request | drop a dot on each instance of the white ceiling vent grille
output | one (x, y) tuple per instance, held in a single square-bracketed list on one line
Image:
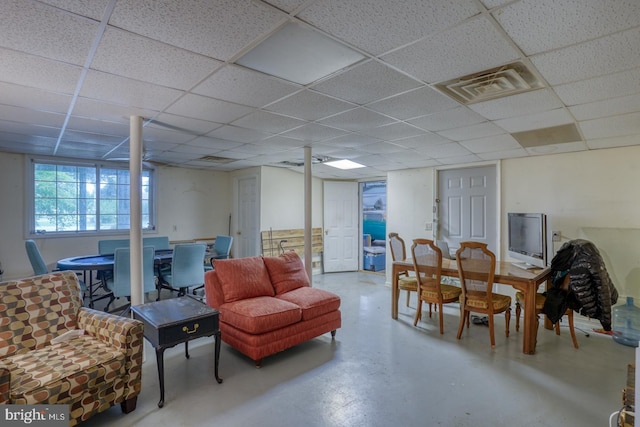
[(498, 82)]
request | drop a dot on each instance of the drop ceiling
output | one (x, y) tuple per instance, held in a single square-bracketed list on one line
[(73, 72)]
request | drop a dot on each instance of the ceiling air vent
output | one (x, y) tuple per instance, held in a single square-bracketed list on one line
[(216, 159), (498, 82), (296, 163)]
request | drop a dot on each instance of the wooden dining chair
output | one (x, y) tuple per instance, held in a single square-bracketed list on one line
[(540, 300), (427, 262), (406, 282), (476, 268)]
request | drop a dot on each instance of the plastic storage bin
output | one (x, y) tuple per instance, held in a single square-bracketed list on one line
[(626, 324)]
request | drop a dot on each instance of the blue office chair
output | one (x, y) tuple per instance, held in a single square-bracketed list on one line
[(187, 268), (38, 264), (35, 258), (120, 283), (221, 250)]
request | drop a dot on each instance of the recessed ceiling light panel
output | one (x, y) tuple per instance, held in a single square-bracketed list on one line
[(299, 54)]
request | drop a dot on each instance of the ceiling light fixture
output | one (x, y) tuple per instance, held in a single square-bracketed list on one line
[(344, 164), (299, 54)]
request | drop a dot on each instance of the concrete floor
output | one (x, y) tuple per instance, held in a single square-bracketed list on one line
[(384, 372)]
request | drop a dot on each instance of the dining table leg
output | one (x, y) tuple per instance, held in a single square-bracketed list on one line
[(394, 291)]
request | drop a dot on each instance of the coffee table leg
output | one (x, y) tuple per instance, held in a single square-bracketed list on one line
[(217, 357), (186, 349), (160, 363)]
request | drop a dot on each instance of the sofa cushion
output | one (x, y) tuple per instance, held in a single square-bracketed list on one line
[(313, 302), (286, 272), (243, 278), (61, 372), (259, 315)]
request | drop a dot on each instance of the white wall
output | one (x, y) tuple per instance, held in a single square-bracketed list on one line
[(282, 195), (578, 191), (195, 201), (409, 206)]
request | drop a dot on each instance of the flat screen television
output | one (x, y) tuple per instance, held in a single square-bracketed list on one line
[(528, 239)]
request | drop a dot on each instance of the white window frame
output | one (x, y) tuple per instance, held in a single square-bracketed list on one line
[(30, 224)]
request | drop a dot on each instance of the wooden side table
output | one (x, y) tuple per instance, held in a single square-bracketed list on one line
[(177, 320)]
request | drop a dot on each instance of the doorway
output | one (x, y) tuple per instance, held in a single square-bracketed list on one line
[(374, 225)]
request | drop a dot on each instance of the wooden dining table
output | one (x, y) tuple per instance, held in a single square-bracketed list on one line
[(525, 281)]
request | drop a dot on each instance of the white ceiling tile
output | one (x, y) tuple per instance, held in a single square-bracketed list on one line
[(440, 151), (366, 82), (422, 140), (95, 109), (216, 28), (42, 30), (242, 86), (545, 119), (393, 131), (504, 154), (93, 9), (607, 107), (618, 141), (628, 124), (29, 70), (34, 99), (136, 57), (617, 52), (125, 91), (268, 122), (184, 124), (491, 144), (235, 133), (210, 109), (92, 138), (460, 160), (8, 126), (415, 103), (308, 105), (283, 143), (517, 105), (286, 5), (381, 148), (470, 132), (92, 125), (468, 48), (214, 143), (494, 3), (314, 132), (457, 117), (352, 140), (22, 115), (599, 88), (372, 24), (567, 147), (157, 134), (542, 25), (359, 119)]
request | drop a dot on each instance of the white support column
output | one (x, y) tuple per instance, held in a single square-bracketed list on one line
[(307, 213), (135, 209)]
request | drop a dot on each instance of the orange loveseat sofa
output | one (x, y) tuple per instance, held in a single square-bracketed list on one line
[(267, 305)]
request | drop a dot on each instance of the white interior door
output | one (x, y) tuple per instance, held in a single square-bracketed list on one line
[(341, 227), (467, 206), (246, 241)]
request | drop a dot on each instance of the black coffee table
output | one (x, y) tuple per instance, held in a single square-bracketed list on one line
[(177, 320)]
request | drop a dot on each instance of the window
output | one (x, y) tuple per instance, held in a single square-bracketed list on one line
[(76, 197)]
